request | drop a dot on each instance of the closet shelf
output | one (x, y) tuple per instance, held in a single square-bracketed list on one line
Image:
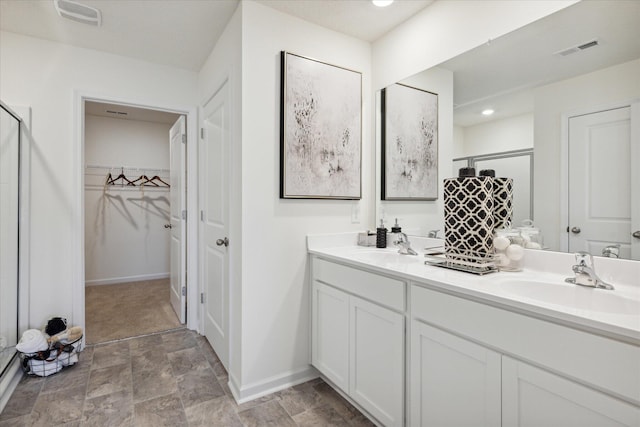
[(99, 176)]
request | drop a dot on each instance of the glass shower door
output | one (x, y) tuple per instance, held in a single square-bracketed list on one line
[(9, 217)]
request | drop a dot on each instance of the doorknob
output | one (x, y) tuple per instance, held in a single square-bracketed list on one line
[(636, 234), (168, 226), (576, 230), (224, 242)]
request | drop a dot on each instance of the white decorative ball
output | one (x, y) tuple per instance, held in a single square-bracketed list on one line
[(501, 243), (502, 260), (515, 252)]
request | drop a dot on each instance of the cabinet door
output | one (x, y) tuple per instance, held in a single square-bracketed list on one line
[(532, 397), (377, 361), (454, 382), (330, 333)]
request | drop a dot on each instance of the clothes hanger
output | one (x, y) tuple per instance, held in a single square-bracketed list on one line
[(140, 178), (149, 181), (109, 179), (157, 178), (113, 181)]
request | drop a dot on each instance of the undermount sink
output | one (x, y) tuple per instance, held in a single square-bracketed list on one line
[(384, 257), (574, 296)]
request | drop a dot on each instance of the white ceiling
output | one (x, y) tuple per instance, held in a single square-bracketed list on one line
[(357, 18), (118, 111), (182, 33)]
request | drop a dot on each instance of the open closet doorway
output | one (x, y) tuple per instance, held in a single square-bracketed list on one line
[(134, 199)]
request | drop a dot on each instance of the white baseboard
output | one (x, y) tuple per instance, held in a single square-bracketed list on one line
[(116, 280), (258, 389), (9, 382)]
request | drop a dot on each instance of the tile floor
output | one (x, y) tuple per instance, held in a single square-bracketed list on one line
[(126, 310), (167, 379)]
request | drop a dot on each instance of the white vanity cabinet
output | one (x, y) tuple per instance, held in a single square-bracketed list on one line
[(330, 333), (454, 382), (376, 368), (412, 347), (468, 369), (535, 397), (358, 336)]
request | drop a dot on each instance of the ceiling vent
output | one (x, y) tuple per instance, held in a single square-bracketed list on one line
[(579, 48), (78, 12), (121, 113)]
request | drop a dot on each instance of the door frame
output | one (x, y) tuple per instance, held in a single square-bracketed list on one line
[(564, 155), (77, 202)]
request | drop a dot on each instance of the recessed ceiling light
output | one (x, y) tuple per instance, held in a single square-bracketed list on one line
[(487, 112), (382, 3)]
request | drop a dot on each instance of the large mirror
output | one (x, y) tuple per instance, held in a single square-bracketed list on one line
[(565, 96), (9, 214)]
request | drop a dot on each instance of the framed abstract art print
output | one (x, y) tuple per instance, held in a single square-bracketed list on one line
[(320, 130), (409, 143)]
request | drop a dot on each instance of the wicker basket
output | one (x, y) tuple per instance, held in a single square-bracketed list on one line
[(51, 361)]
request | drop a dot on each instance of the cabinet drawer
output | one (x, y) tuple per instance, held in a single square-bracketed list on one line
[(605, 363), (374, 287)]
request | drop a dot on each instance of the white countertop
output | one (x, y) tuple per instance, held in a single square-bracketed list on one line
[(532, 291)]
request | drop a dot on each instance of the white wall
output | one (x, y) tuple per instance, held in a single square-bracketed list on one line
[(275, 296), (458, 142), (597, 90), (125, 238), (496, 136), (45, 76)]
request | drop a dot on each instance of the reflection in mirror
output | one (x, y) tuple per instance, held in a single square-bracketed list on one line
[(9, 191), (546, 83), (517, 165)]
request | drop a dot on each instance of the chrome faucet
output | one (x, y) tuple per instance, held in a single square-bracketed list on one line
[(611, 251), (585, 273), (433, 234), (404, 244)]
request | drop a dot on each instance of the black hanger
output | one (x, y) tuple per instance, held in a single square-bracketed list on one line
[(114, 181), (157, 178), (140, 178)]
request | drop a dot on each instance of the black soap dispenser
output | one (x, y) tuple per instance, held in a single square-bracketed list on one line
[(395, 231), (381, 235), (396, 227)]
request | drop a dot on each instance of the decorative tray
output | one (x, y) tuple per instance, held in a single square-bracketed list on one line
[(480, 268)]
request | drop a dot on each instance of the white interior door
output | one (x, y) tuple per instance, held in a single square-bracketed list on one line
[(214, 172), (177, 137), (600, 184)]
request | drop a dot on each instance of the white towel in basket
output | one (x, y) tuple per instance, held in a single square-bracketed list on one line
[(32, 341), (44, 368)]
